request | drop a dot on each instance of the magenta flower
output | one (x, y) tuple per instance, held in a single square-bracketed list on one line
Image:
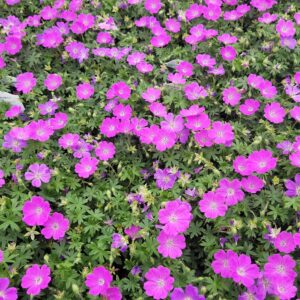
[(104, 38), (227, 39), (135, 57), (285, 28), (243, 271), (249, 107), (40, 130), (212, 12), (193, 91), (2, 180), (55, 227), (190, 292), (153, 6), (172, 25), (205, 60), (274, 112), (242, 166), (176, 217), (86, 167), (284, 289), (59, 121), (294, 113), (144, 67), (165, 179), (119, 90), (105, 150), (36, 211), (84, 91), (53, 82), (7, 293), (262, 161), (280, 267), (158, 109), (12, 45), (151, 94), (293, 187), (164, 140), (252, 184), (202, 138), (221, 133), (113, 293), (68, 140), (119, 242), (122, 111), (77, 50), (228, 53), (223, 263), (231, 96), (231, 191), (38, 174), (48, 108), (185, 68), (172, 123), (284, 242), (170, 245), (195, 123), (267, 90), (295, 159), (98, 281), (25, 82), (212, 205), (36, 279), (159, 282)]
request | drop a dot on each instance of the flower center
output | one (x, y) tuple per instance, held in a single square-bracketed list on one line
[(101, 282), (230, 192), (55, 226), (161, 283), (172, 218), (38, 280), (280, 269), (241, 272)]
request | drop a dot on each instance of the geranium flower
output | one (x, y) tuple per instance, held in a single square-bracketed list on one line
[(36, 279), (6, 292), (212, 205), (159, 282), (55, 227), (25, 82), (190, 292), (38, 174), (170, 245)]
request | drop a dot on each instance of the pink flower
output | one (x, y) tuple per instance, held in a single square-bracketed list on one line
[(122, 111), (6, 292), (274, 112), (280, 267), (194, 11), (212, 205), (25, 82), (158, 109), (50, 38), (185, 68), (120, 90), (86, 167), (160, 41), (110, 127), (104, 38), (228, 53), (55, 227), (84, 91), (164, 140), (212, 12), (284, 289), (221, 133), (48, 108), (194, 91), (172, 25), (295, 113), (202, 138), (159, 282), (284, 242), (267, 18), (152, 6), (12, 45), (13, 112), (249, 107), (59, 121), (170, 245), (36, 279), (223, 263), (231, 96), (205, 60), (136, 57), (2, 180), (98, 281), (267, 90), (230, 191), (151, 94), (227, 39), (37, 174), (295, 159), (12, 2), (77, 50), (285, 28), (297, 77), (262, 161), (144, 67), (53, 82), (113, 293), (176, 217), (198, 122), (252, 184), (243, 271), (36, 211), (48, 13), (262, 5), (172, 123), (147, 135), (242, 166), (40, 130), (105, 150)]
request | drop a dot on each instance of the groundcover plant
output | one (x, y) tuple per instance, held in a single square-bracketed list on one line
[(150, 149)]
